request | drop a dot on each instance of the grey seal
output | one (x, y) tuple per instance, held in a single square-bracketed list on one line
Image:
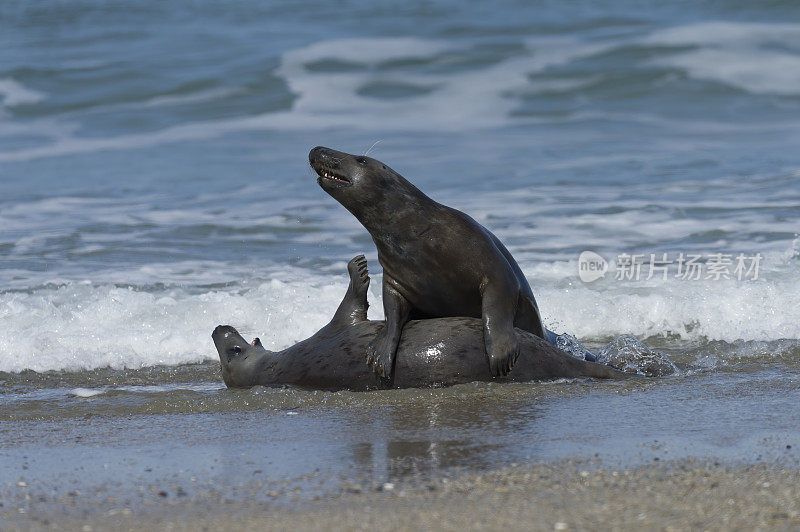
[(431, 352), (437, 261)]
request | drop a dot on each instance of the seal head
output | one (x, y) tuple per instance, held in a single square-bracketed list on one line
[(241, 361), (369, 189)]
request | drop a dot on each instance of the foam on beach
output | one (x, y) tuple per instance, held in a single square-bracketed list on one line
[(82, 325)]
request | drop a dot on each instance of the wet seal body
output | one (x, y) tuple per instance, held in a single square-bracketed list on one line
[(437, 261), (431, 352)]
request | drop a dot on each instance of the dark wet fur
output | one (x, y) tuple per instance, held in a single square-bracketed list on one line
[(437, 261), (431, 352)]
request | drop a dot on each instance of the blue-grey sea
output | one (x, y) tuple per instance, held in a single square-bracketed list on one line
[(154, 183)]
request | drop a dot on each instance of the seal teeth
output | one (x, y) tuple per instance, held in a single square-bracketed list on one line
[(334, 177)]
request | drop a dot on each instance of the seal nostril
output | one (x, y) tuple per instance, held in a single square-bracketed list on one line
[(316, 153), (324, 156), (222, 330)]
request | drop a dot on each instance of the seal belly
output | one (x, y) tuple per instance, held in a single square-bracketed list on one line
[(434, 285)]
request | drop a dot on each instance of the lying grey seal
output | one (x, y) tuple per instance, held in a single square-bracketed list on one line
[(441, 351), (437, 261)]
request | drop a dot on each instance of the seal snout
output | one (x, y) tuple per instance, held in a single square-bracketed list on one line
[(222, 330), (321, 154), (327, 163)]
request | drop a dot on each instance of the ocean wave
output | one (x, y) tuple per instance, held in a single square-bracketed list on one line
[(755, 57), (80, 326), (416, 84), (123, 239), (702, 310)]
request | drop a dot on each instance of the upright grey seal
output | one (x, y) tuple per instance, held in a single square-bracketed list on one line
[(431, 352), (437, 261)]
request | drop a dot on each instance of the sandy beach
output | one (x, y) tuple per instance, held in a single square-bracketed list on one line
[(569, 495), (580, 454)]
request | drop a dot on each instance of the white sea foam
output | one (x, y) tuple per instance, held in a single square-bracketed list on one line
[(93, 392), (759, 58), (84, 325), (13, 93), (86, 392), (194, 97), (730, 33), (707, 309), (714, 310)]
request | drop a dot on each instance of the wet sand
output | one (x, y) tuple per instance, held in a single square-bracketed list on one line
[(569, 495), (710, 450)]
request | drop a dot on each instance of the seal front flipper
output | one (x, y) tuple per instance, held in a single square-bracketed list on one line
[(528, 317), (500, 339), (353, 308), (382, 349)]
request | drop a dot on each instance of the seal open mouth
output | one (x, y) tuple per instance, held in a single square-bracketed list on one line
[(333, 176), (328, 164)]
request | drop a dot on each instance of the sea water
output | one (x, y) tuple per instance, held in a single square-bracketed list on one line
[(154, 181)]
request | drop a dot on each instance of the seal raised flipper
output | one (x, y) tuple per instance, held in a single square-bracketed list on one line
[(353, 307)]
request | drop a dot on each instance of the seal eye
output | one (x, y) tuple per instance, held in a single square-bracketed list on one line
[(361, 160), (237, 350)]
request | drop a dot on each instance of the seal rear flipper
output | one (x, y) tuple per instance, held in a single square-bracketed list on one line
[(353, 308)]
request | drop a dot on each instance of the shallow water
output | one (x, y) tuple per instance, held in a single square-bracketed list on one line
[(154, 184), (131, 442)]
